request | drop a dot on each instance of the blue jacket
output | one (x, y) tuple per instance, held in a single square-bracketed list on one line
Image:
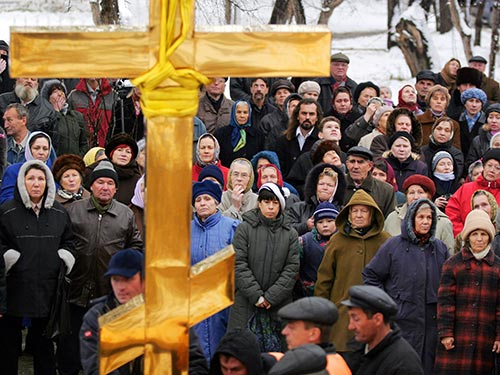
[(208, 237)]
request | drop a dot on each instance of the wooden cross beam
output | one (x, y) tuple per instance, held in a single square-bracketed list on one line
[(157, 328)]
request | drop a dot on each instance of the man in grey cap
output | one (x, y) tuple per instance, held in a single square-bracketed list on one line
[(306, 359), (310, 320), (488, 85), (385, 351), (359, 165)]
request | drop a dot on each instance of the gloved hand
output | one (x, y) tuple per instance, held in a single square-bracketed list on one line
[(67, 258), (10, 258)]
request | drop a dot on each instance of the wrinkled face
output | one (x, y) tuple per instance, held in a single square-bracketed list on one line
[(364, 328), (481, 202), (360, 215), (444, 165), (141, 157), (382, 122), (325, 188), (205, 206), (331, 157), (379, 174), (268, 174), (307, 116), (40, 149), (242, 113), (409, 94), (326, 227), (280, 96), (206, 147), (338, 70), (126, 289), (240, 175), (35, 183), (296, 334), (231, 366), (342, 103), (423, 221), (442, 132), (28, 82), (438, 102), (122, 155), (423, 87), (415, 192), (13, 123), (478, 65), (479, 240), (403, 124), (311, 95), (491, 170), (365, 95), (358, 168), (259, 90), (494, 121), (401, 149), (453, 66), (331, 131), (270, 208), (473, 106), (71, 180), (216, 87), (103, 189)]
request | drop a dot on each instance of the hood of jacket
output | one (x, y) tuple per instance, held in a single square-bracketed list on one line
[(27, 151), (407, 226), (242, 345), (312, 182), (269, 155), (21, 192), (361, 197)]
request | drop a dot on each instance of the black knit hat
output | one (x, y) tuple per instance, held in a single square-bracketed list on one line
[(361, 87), (400, 134)]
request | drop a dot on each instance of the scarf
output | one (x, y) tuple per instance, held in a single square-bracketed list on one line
[(238, 134), (436, 114), (99, 207), (445, 176), (481, 254), (69, 195)]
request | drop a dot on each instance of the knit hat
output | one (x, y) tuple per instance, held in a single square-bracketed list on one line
[(309, 86), (363, 85), (66, 162), (495, 107), (4, 46), (276, 190), (418, 179), (282, 84), (121, 139), (426, 74), (492, 153), (340, 57), (469, 75), (325, 210), (474, 94), (103, 169), (438, 156), (478, 219), (207, 187), (211, 171), (401, 134), (378, 114)]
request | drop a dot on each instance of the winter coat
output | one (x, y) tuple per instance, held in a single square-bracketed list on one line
[(381, 192), (459, 205), (248, 203), (468, 310), (267, 265), (213, 119), (466, 135), (326, 95), (359, 128), (72, 134), (427, 120), (391, 356), (208, 237), (300, 212), (97, 238), (98, 115), (132, 120), (32, 280), (409, 272), (491, 88), (272, 120), (428, 151), (254, 144), (405, 169), (3, 288), (444, 227), (89, 344), (259, 113), (455, 107), (480, 144), (347, 253)]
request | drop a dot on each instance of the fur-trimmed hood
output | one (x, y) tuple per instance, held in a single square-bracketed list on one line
[(312, 181), (407, 226), (50, 188)]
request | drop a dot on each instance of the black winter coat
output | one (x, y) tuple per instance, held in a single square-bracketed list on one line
[(254, 144)]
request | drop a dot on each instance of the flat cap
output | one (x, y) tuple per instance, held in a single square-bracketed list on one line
[(360, 151), (372, 298), (340, 57), (305, 359), (282, 84), (426, 74), (311, 309), (479, 59)]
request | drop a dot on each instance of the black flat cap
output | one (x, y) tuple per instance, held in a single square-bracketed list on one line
[(479, 59), (340, 57), (371, 298), (311, 309), (360, 151), (305, 359), (426, 74), (282, 84)]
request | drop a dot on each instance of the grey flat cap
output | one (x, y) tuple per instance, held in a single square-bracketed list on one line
[(479, 59), (371, 298), (305, 359), (340, 57), (360, 151), (311, 309)]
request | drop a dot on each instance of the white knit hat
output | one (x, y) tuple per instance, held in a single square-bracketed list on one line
[(478, 219)]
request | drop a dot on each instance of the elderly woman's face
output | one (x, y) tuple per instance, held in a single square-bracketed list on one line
[(360, 216), (478, 240), (409, 94), (206, 148), (382, 122), (240, 176), (403, 124), (445, 165), (423, 221), (415, 192), (438, 102), (122, 155), (35, 182), (481, 202), (325, 188), (71, 180), (242, 113), (491, 170), (40, 149), (205, 206)]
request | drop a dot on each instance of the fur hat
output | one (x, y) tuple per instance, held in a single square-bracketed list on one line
[(282, 84), (50, 85), (474, 94), (478, 219), (418, 179), (65, 162), (121, 139), (309, 86), (469, 75), (207, 187), (322, 148), (103, 169), (363, 85)]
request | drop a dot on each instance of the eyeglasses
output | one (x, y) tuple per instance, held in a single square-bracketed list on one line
[(242, 175), (492, 166)]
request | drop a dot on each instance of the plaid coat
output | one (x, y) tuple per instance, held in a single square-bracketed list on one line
[(469, 311)]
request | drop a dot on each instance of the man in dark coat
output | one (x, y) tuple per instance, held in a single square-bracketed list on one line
[(280, 91), (488, 85), (384, 351)]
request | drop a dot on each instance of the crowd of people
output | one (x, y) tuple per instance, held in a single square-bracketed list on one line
[(365, 226)]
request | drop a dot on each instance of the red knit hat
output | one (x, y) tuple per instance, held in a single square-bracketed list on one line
[(418, 179)]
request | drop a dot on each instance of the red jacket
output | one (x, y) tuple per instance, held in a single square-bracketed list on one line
[(197, 170)]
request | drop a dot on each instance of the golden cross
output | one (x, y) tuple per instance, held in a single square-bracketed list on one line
[(177, 296)]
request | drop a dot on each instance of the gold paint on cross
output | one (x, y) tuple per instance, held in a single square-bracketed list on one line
[(177, 296)]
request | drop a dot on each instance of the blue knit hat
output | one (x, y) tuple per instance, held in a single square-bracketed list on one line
[(474, 94), (212, 171), (207, 187), (325, 210)]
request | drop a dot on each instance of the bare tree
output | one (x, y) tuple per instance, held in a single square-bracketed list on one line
[(458, 18), (445, 23), (285, 11), (479, 22), (327, 8), (413, 44), (105, 12), (495, 23), (227, 11)]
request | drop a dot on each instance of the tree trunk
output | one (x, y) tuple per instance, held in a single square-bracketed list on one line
[(457, 16), (285, 10), (495, 23), (413, 45), (227, 11), (94, 7), (391, 6), (327, 9), (445, 23), (109, 12), (479, 22)]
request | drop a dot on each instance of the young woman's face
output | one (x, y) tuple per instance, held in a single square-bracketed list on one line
[(494, 121)]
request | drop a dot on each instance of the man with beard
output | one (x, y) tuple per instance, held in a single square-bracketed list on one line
[(300, 134), (41, 115), (260, 105)]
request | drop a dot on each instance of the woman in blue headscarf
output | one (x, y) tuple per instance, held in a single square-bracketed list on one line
[(239, 139)]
